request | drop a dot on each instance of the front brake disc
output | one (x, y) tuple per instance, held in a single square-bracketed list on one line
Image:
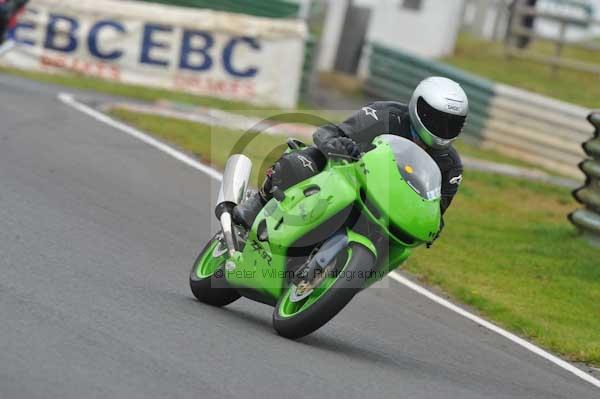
[(304, 288)]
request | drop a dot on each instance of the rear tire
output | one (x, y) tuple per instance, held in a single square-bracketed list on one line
[(358, 267), (207, 280)]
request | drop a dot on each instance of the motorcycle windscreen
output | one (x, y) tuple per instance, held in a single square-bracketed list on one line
[(417, 168)]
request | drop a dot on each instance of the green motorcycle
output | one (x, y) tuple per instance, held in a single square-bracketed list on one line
[(317, 244)]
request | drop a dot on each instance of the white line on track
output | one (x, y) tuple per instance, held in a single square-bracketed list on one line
[(492, 327), (69, 100)]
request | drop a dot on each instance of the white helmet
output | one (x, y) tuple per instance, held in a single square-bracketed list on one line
[(438, 110)]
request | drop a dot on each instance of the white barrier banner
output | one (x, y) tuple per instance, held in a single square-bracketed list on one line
[(210, 53)]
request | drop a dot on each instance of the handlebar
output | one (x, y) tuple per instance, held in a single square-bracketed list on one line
[(344, 157)]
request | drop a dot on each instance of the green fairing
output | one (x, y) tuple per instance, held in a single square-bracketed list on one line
[(375, 180), (362, 240), (399, 203), (300, 216)]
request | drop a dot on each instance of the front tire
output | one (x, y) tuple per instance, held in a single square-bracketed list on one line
[(207, 278), (296, 320)]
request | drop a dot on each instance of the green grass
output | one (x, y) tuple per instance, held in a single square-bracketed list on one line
[(82, 82), (507, 250), (212, 145), (516, 259), (473, 151), (488, 60), (197, 142), (148, 94), (152, 95)]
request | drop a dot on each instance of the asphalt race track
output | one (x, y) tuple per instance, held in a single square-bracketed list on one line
[(98, 234)]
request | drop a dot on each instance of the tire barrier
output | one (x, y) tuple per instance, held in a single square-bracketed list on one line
[(587, 219)]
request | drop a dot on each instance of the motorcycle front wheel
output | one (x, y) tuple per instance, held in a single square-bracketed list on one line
[(207, 280), (295, 318)]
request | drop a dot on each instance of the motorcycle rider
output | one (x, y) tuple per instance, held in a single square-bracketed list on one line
[(9, 11), (433, 119)]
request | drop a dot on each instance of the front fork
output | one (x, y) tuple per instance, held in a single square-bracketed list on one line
[(332, 248), (234, 239)]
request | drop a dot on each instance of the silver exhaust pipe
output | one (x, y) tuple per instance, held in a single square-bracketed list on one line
[(233, 189)]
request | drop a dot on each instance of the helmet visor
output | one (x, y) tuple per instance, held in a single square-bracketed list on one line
[(441, 124)]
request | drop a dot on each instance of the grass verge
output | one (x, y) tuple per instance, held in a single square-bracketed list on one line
[(518, 261), (487, 59), (196, 143), (83, 82), (211, 144), (507, 250), (151, 95)]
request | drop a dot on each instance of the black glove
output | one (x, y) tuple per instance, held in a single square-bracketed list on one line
[(343, 146)]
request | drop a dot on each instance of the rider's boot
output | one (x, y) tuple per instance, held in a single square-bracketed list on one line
[(245, 213)]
